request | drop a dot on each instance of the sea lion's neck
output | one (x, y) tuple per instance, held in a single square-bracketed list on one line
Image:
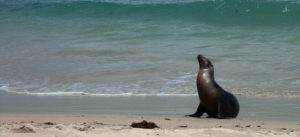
[(207, 75)]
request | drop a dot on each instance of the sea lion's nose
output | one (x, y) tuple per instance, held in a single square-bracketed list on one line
[(199, 57)]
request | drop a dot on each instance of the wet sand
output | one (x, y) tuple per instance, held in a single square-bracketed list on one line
[(266, 109), (27, 115)]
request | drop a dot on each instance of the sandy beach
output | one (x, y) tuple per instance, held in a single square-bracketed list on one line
[(44, 125), (84, 68)]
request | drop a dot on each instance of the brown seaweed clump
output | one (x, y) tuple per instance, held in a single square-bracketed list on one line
[(144, 124)]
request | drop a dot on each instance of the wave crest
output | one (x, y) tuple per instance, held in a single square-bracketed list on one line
[(237, 12)]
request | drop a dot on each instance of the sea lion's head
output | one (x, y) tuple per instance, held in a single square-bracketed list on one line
[(204, 62)]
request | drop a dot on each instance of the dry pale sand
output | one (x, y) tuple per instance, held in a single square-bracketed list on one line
[(39, 125)]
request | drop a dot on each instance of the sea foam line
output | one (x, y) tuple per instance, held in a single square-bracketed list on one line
[(61, 93)]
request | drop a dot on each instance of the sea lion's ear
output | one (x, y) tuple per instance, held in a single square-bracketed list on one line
[(211, 65)]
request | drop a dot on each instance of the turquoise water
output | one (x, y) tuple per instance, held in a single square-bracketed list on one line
[(142, 47)]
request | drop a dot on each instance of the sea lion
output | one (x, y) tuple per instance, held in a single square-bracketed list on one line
[(214, 100)]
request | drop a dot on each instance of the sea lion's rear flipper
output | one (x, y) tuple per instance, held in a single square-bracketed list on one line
[(220, 111)]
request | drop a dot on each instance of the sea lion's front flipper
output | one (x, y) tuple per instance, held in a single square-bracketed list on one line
[(199, 112)]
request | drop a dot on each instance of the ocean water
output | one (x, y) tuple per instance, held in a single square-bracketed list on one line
[(149, 47)]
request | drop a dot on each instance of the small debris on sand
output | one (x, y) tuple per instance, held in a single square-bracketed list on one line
[(167, 119), (59, 127), (144, 124), (85, 128), (183, 126), (24, 129), (98, 123), (49, 123), (248, 126)]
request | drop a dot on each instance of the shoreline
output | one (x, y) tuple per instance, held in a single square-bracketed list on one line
[(266, 109), (86, 116), (245, 94), (117, 125)]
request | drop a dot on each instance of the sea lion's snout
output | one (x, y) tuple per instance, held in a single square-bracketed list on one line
[(203, 62), (199, 57)]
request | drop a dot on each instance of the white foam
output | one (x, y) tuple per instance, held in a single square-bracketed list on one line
[(297, 82), (165, 87), (4, 87), (60, 93)]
